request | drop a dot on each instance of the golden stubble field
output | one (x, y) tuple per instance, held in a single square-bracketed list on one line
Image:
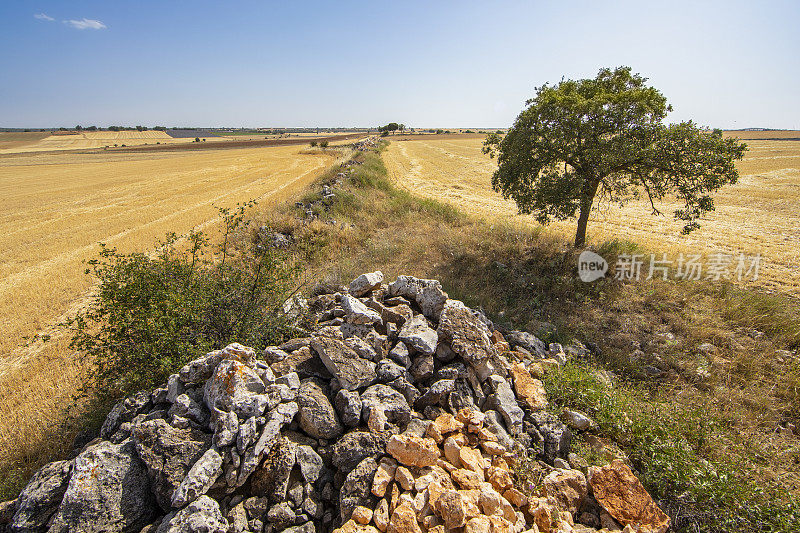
[(58, 207), (88, 140), (760, 214)]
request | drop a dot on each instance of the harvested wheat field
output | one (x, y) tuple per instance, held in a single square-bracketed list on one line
[(92, 140), (758, 215), (57, 207)]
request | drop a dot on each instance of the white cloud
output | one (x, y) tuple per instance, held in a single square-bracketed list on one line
[(42, 16), (85, 24)]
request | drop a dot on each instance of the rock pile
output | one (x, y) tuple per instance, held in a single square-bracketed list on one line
[(404, 411)]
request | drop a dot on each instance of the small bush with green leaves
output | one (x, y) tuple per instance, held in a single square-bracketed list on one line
[(323, 144), (151, 315)]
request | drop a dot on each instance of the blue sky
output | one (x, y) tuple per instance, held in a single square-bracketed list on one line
[(452, 64)]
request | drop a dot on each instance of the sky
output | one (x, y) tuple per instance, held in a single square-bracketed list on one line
[(730, 64)]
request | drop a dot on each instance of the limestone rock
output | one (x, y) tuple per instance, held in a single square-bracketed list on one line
[(200, 369), (529, 342), (109, 491), (555, 435), (271, 479), (388, 401), (317, 416), (41, 497), (235, 387), (417, 334), (358, 313), (169, 453), (355, 446), (310, 463), (465, 333), (348, 405), (356, 487), (504, 402), (620, 492), (578, 420), (352, 371), (202, 515), (427, 293), (365, 283), (199, 479)]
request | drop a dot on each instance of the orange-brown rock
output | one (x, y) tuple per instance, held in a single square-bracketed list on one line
[(447, 423), (493, 448), (404, 520), (620, 492), (472, 459), (450, 506), (381, 515), (479, 524), (515, 497), (499, 478), (500, 524), (567, 488), (383, 476), (467, 479), (433, 433), (404, 476), (445, 465), (351, 526), (452, 451), (394, 497), (530, 390), (471, 417), (497, 337), (411, 450), (362, 515), (542, 517)]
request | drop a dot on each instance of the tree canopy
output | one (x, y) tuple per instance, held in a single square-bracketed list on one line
[(580, 138)]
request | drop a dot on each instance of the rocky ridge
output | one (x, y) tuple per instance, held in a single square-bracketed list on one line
[(404, 411)]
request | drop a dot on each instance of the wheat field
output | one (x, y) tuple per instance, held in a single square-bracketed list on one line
[(759, 215), (88, 140)]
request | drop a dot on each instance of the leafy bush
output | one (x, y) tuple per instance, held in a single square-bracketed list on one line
[(151, 315), (323, 144), (313, 144)]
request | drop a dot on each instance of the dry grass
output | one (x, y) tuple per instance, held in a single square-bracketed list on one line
[(758, 215), (57, 207)]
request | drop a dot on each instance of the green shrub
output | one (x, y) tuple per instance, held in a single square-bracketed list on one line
[(151, 315), (323, 144), (670, 448)]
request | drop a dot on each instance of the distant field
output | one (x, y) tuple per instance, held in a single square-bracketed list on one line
[(761, 214), (89, 140), (18, 143)]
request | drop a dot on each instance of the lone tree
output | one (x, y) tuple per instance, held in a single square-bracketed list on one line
[(606, 136)]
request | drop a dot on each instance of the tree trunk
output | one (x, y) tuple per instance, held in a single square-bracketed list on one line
[(587, 198)]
